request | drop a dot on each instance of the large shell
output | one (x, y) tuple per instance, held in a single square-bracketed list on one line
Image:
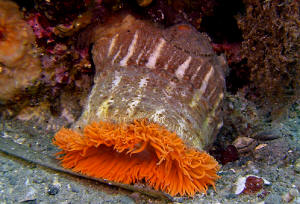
[(170, 76)]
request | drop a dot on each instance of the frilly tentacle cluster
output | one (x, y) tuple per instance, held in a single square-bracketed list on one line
[(136, 152)]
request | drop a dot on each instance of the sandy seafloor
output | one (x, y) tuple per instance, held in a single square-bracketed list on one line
[(24, 182)]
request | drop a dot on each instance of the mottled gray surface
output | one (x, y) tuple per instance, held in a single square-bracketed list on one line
[(24, 182)]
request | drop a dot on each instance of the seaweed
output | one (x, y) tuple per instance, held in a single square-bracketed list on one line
[(271, 50)]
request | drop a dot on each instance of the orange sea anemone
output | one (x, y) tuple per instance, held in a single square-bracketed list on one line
[(170, 76), (137, 152)]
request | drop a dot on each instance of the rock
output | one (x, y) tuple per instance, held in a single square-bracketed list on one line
[(53, 189), (74, 188), (12, 180), (297, 165), (290, 196), (30, 196), (244, 144), (231, 196), (39, 180), (273, 199), (275, 152), (268, 134)]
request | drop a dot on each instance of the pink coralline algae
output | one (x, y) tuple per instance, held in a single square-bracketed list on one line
[(41, 27), (63, 62)]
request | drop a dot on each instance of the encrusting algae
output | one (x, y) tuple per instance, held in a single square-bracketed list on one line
[(155, 105), (19, 62)]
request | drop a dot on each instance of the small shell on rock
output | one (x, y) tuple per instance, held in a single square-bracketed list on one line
[(260, 146), (244, 184), (244, 144)]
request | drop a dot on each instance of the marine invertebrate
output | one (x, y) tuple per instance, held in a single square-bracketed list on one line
[(135, 152), (170, 76), (18, 61)]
